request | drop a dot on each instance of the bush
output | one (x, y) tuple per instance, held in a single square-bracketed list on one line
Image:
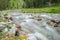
[(33, 3), (3, 4), (14, 4)]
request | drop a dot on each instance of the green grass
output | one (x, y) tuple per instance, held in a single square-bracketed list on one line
[(52, 9)]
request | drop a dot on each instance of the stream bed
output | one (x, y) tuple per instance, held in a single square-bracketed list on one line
[(42, 26)]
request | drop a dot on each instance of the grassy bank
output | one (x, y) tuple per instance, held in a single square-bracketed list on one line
[(52, 9)]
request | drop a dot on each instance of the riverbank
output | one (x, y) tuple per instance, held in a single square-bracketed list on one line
[(53, 9)]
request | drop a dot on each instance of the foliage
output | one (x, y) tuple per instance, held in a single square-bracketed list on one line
[(6, 14), (14, 4), (2, 20), (3, 4), (10, 4), (38, 3), (52, 9), (33, 3)]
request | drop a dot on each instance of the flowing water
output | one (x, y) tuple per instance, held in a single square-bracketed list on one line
[(38, 28)]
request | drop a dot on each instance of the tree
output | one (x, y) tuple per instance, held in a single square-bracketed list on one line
[(3, 4), (34, 3)]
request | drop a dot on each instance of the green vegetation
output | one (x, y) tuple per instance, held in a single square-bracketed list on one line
[(52, 9), (6, 14), (14, 4), (35, 6), (10, 4), (2, 20), (3, 4)]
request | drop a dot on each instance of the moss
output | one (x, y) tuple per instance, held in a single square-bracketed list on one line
[(6, 14), (2, 20)]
